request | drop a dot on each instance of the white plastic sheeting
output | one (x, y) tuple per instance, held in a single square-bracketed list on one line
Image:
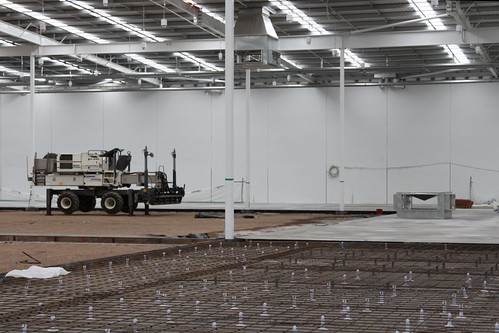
[(37, 272)]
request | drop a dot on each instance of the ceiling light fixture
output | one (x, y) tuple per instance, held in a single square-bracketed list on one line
[(43, 26), (105, 2), (164, 21)]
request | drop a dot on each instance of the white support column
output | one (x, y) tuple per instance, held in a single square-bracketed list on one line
[(229, 119), (342, 129), (31, 118), (248, 139)]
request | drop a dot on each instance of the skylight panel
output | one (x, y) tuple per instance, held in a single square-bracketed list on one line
[(295, 14), (113, 20), (456, 53), (12, 71), (68, 65), (205, 10), (424, 9), (353, 58), (41, 17), (197, 61), (6, 42), (149, 62)]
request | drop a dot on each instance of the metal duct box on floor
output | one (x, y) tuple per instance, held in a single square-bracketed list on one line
[(405, 207)]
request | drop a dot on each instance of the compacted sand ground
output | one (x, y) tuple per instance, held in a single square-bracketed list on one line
[(164, 223)]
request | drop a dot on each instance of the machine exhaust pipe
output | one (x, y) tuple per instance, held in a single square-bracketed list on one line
[(174, 173)]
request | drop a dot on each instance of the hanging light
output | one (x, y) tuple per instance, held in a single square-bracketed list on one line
[(43, 25), (105, 2), (164, 21), (220, 55)]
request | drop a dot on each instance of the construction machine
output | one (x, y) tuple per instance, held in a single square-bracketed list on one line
[(80, 179)]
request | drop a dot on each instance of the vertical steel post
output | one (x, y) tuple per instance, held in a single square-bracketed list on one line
[(342, 128), (32, 118), (146, 182), (248, 139), (174, 172), (229, 119)]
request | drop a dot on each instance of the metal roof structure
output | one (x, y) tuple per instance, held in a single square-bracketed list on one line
[(101, 45)]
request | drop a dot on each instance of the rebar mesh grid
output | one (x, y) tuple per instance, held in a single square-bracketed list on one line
[(267, 287)]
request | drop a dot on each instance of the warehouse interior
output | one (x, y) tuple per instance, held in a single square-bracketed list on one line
[(295, 125)]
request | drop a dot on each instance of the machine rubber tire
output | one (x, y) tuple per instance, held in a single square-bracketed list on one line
[(125, 205), (87, 203), (68, 202), (111, 202)]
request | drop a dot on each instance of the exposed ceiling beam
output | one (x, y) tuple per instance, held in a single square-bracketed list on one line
[(134, 47), (389, 39), (307, 77), (461, 19), (43, 41), (454, 8), (48, 47), (212, 24)]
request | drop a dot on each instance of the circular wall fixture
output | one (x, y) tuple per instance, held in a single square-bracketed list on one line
[(333, 171)]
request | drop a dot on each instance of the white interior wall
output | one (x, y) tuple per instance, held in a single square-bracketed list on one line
[(418, 149), (475, 136), (422, 138), (15, 140)]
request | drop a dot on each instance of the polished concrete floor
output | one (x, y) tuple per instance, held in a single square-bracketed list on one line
[(476, 226)]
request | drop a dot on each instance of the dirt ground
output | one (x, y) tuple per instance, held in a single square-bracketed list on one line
[(101, 224)]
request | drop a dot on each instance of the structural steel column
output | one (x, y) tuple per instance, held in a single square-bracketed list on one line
[(342, 128), (248, 139), (229, 119), (31, 118)]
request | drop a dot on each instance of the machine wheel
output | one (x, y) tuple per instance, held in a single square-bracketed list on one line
[(112, 202), (125, 204), (68, 202), (87, 203)]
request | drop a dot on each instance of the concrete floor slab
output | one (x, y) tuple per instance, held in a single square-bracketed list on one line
[(477, 226)]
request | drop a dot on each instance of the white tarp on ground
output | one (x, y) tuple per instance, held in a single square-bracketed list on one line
[(37, 272)]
